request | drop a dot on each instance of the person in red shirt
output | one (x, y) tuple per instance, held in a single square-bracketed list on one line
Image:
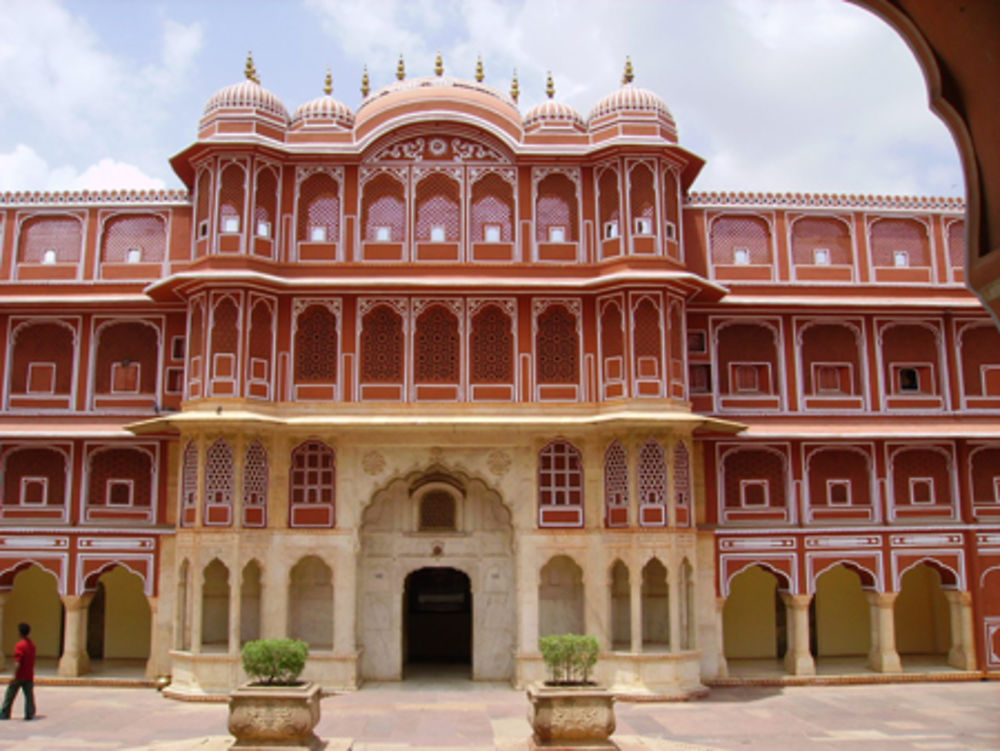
[(24, 675)]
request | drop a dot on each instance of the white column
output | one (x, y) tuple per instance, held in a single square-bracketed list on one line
[(882, 655), (798, 658), (962, 654), (674, 597), (635, 606), (720, 606), (235, 612), (196, 586), (75, 661)]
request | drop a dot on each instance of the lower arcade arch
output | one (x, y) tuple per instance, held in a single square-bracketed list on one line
[(753, 619), (922, 617), (118, 617), (34, 599), (840, 615)]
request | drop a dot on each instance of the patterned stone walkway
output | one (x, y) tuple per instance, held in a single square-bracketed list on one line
[(426, 716)]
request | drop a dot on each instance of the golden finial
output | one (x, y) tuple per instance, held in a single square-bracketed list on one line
[(550, 88), (515, 90), (328, 83), (479, 69), (629, 75), (249, 70), (400, 68), (365, 83), (438, 65)]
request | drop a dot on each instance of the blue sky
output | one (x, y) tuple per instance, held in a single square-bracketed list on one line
[(799, 95)]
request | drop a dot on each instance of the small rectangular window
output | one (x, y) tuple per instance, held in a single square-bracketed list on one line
[(754, 493), (41, 377), (838, 492), (437, 233), (700, 378), (177, 348), (383, 234), (119, 493), (175, 380), (48, 257), (900, 258), (643, 226), (909, 380), (821, 256), (670, 230), (231, 224), (491, 233), (317, 234), (697, 342), (133, 255), (125, 377), (921, 490), (741, 256), (746, 378), (610, 230), (830, 379), (263, 229), (34, 491), (557, 234), (203, 228)]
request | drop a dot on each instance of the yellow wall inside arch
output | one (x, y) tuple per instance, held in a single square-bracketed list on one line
[(34, 599), (922, 617), (748, 623), (842, 620), (126, 615)]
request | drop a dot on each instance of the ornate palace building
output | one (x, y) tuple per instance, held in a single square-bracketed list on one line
[(425, 381)]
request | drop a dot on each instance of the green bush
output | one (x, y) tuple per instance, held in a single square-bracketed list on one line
[(275, 661), (569, 658)]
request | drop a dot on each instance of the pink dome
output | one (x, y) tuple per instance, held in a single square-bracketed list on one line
[(324, 111), (551, 113), (631, 102), (246, 95)]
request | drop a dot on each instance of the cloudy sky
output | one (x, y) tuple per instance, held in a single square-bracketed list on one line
[(802, 95)]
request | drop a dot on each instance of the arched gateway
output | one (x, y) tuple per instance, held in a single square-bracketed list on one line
[(436, 577)]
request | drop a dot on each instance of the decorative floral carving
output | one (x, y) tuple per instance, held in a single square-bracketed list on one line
[(373, 463), (499, 462)]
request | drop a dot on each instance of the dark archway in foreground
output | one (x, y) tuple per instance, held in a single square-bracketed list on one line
[(437, 617)]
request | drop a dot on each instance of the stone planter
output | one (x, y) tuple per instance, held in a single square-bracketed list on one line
[(579, 718), (275, 717)]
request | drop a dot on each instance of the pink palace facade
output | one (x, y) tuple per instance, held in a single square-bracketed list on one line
[(423, 382)]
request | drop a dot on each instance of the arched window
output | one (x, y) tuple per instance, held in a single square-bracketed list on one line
[(439, 218), (609, 210), (203, 197), (740, 241), (265, 212), (119, 484), (557, 347), (754, 486), (436, 354), (255, 481), (219, 484), (134, 238), (382, 346), (613, 351), (50, 240), (384, 210), (616, 499), (647, 340), (491, 345), (560, 485), (682, 485), (556, 210), (312, 484), (231, 199), (899, 243), (316, 345), (319, 209), (225, 333), (126, 360), (642, 208), (259, 344), (652, 485), (492, 210)]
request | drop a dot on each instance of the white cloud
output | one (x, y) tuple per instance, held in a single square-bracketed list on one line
[(23, 169)]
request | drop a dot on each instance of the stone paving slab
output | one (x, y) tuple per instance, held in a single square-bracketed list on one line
[(917, 717)]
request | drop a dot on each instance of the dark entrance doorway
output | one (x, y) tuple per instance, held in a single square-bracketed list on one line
[(437, 617)]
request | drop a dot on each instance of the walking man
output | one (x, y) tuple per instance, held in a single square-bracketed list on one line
[(24, 675)]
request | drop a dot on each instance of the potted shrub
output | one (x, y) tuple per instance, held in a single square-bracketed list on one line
[(275, 709), (569, 709)]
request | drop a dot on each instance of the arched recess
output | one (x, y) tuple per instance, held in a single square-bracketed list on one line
[(922, 615), (42, 363), (316, 342), (310, 603), (120, 483), (841, 620), (118, 617), (219, 484), (265, 211), (126, 362), (755, 484), (33, 597), (652, 484), (614, 378), (438, 207), (642, 208), (609, 211), (748, 364), (616, 486), (250, 602), (128, 241), (492, 217), (225, 324), (621, 607), (215, 607), (560, 597), (437, 352), (647, 345), (491, 350), (753, 618), (35, 482), (232, 207), (832, 363), (259, 371), (403, 529), (655, 607)]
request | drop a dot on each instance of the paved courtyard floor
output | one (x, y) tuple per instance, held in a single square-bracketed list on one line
[(424, 714)]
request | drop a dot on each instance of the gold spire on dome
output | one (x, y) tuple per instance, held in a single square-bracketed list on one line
[(629, 75), (479, 69), (438, 65), (249, 70), (515, 89), (328, 83), (365, 83), (400, 68), (550, 88)]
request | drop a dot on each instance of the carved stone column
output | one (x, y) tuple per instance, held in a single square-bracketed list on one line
[(235, 612), (154, 638), (75, 660), (635, 609), (962, 654), (882, 655), (674, 598), (720, 642), (798, 658)]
